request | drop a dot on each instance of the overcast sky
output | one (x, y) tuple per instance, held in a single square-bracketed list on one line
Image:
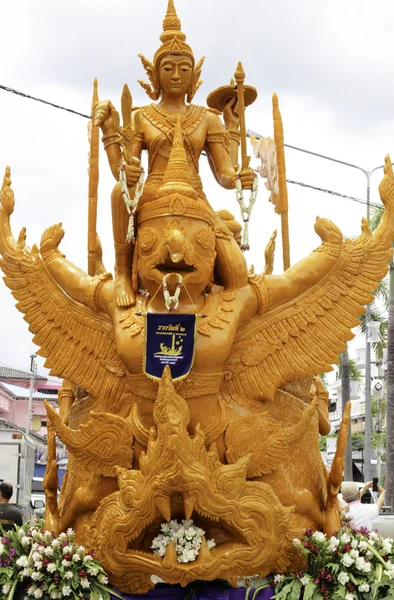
[(331, 64)]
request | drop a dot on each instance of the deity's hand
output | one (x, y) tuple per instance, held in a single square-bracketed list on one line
[(230, 115), (106, 116), (51, 238), (133, 171), (247, 177)]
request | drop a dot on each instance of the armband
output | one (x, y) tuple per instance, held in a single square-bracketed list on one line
[(94, 289)]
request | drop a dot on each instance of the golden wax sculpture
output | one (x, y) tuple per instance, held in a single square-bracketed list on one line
[(232, 444)]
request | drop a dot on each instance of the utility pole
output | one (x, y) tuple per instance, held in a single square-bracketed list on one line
[(30, 402)]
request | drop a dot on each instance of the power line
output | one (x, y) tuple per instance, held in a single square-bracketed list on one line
[(74, 112), (334, 193)]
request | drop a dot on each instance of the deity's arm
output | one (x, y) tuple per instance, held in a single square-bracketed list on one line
[(218, 151), (90, 291), (300, 277), (115, 139)]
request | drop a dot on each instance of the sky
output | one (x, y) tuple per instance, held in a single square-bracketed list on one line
[(331, 64)]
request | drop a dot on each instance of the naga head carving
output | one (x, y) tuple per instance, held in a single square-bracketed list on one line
[(180, 479)]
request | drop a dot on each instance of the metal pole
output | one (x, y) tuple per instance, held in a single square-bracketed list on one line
[(30, 402), (367, 424)]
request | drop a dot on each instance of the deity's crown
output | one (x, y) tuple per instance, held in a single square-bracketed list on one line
[(173, 42), (172, 38), (176, 195)]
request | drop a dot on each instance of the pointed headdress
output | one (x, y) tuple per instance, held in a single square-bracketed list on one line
[(176, 195), (173, 42)]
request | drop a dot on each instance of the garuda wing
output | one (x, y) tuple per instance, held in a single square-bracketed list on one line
[(78, 343), (304, 336)]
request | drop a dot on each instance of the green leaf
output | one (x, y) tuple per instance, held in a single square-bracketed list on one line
[(309, 590)]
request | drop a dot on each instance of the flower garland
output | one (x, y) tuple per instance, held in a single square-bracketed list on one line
[(49, 567), (187, 539)]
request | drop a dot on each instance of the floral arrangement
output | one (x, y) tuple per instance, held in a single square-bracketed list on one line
[(45, 566), (351, 565), (187, 539)]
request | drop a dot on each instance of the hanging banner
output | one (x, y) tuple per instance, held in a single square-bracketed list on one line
[(169, 340)]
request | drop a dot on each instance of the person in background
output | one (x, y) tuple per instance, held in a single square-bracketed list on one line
[(362, 515), (10, 514)]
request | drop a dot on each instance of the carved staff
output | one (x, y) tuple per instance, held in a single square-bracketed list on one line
[(93, 186), (239, 77), (282, 206)]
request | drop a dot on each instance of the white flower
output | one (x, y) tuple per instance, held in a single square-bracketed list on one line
[(93, 571), (21, 532), (6, 588), (54, 595), (345, 538), (389, 574), (48, 551), (76, 557), (65, 563), (30, 591), (66, 550), (68, 574), (70, 531), (278, 578), (347, 560), (36, 576), (103, 579), (85, 582), (333, 544), (51, 567), (211, 544), (87, 558), (66, 590), (362, 565), (387, 545), (26, 572), (354, 553), (2, 549), (354, 543), (36, 556), (25, 541), (373, 535), (37, 593), (363, 587), (55, 544), (343, 578), (305, 579), (350, 596), (362, 545), (318, 536), (81, 550), (62, 537), (22, 561), (38, 564), (297, 543)]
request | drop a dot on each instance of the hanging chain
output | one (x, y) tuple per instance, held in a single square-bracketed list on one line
[(245, 210), (131, 204)]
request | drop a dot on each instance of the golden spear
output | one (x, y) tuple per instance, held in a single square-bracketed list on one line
[(239, 77), (93, 186), (282, 206)]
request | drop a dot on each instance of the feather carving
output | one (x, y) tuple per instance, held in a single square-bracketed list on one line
[(304, 336)]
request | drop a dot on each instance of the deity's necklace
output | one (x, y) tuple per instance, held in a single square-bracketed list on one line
[(245, 210)]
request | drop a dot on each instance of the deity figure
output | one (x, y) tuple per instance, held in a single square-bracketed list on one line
[(174, 78)]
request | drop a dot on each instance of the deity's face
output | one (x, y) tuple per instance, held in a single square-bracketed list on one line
[(181, 245), (175, 73)]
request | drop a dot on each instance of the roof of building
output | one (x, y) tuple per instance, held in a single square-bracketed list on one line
[(21, 392), (7, 373)]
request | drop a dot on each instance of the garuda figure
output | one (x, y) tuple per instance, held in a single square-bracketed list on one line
[(232, 442)]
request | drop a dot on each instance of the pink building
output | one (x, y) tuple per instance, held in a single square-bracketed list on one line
[(14, 396)]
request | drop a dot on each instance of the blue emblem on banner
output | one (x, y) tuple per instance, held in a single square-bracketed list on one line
[(169, 340)]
